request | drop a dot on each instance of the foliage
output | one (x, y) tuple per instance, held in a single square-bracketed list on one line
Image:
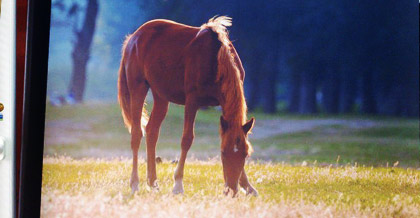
[(332, 56)]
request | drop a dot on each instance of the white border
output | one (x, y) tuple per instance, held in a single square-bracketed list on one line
[(7, 97)]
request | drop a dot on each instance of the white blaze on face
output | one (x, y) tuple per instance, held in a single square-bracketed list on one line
[(235, 148)]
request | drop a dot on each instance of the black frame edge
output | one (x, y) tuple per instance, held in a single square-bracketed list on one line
[(39, 15)]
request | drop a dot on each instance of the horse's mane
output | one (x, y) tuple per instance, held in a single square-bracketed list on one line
[(228, 75), (218, 25)]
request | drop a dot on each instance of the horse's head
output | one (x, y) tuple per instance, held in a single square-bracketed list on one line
[(235, 149)]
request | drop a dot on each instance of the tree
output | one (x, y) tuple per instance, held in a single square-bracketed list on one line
[(331, 89), (81, 50), (345, 50), (294, 92)]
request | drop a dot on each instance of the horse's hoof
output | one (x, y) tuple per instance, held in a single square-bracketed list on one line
[(134, 187), (134, 183), (177, 191), (178, 188), (230, 192), (154, 188), (252, 191)]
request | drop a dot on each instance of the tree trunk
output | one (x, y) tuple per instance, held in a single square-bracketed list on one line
[(308, 93), (331, 90), (413, 96), (253, 84), (294, 93), (348, 91), (269, 87), (269, 83), (409, 95), (368, 98), (81, 52)]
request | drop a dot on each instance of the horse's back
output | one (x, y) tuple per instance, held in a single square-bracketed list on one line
[(174, 59), (160, 37), (162, 24), (164, 34), (154, 52)]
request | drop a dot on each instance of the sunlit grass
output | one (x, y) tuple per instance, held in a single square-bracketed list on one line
[(336, 169), (292, 190)]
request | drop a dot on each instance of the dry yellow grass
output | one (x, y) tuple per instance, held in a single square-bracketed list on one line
[(153, 205), (99, 188)]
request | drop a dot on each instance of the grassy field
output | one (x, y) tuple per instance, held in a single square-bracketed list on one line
[(341, 166), (97, 130), (100, 188)]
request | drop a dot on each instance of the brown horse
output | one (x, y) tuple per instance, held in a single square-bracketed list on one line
[(191, 66)]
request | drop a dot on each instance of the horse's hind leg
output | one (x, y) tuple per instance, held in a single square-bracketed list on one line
[(160, 108), (138, 94)]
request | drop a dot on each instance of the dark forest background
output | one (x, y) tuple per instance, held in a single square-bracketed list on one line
[(305, 57)]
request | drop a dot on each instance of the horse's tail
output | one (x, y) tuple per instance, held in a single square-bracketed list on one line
[(124, 99), (124, 96)]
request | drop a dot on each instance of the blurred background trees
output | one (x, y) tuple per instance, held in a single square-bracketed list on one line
[(83, 39), (306, 57)]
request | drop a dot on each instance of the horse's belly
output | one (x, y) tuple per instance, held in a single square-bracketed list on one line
[(174, 96), (167, 85)]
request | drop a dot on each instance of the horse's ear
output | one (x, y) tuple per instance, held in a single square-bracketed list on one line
[(248, 126), (223, 124)]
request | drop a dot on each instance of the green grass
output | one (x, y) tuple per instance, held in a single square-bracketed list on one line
[(105, 121), (94, 129), (346, 190), (407, 131), (377, 146)]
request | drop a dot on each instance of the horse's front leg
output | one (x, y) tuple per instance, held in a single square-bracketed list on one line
[(187, 139), (244, 183), (160, 108)]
